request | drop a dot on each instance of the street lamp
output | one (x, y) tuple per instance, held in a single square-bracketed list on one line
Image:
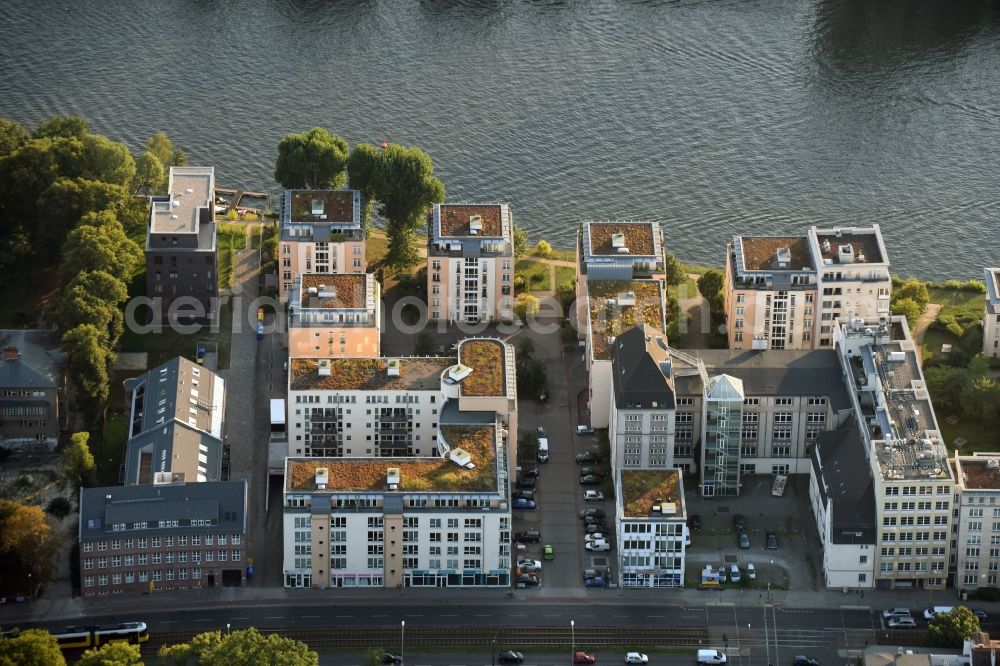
[(402, 638), (227, 628), (572, 633)]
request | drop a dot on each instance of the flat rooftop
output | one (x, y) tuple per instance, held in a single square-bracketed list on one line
[(486, 358), (456, 220), (864, 241), (335, 291), (366, 374), (760, 253), (608, 318), (641, 489), (366, 475), (323, 206), (976, 473), (190, 189), (638, 237), (994, 277)]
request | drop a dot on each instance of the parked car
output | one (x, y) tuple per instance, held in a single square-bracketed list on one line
[(523, 494), (595, 528), (751, 572), (772, 541), (591, 480), (895, 612), (687, 535), (590, 469), (584, 430), (531, 473), (526, 483), (694, 522), (636, 658), (510, 657), (584, 658), (597, 581), (593, 496), (522, 503), (744, 540), (929, 613), (739, 521), (528, 536), (902, 623), (711, 657), (597, 518), (981, 614), (802, 660), (528, 569), (599, 546), (390, 658), (590, 573), (586, 457), (540, 431), (592, 513), (529, 581), (734, 573), (548, 553), (597, 536), (535, 563)]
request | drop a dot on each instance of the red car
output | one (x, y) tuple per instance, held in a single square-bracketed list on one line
[(585, 658)]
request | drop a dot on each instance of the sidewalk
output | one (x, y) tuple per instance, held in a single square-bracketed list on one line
[(65, 608)]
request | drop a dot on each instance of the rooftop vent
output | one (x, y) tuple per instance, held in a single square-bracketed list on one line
[(326, 291), (392, 478), (784, 257), (322, 478), (826, 245), (475, 224), (317, 207), (393, 368), (461, 458), (626, 298), (618, 241), (189, 191), (622, 250), (845, 254), (175, 203), (312, 291), (324, 368), (458, 372)]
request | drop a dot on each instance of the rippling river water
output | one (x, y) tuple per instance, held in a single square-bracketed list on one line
[(715, 116)]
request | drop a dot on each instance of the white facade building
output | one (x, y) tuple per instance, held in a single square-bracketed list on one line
[(991, 318), (651, 518), (976, 547)]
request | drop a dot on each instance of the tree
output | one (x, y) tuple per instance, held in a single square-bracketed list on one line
[(65, 202), (34, 647), (161, 147), (424, 345), (676, 273), (526, 305), (311, 160), (106, 160), (89, 360), (112, 654), (65, 127), (406, 190), (12, 136), (945, 385), (909, 308), (952, 628), (520, 242), (531, 377), (980, 398), (710, 286), (94, 297), (28, 546), (24, 175), (916, 291), (247, 646), (59, 507), (526, 348), (149, 173), (99, 243), (543, 249), (363, 168), (77, 460)]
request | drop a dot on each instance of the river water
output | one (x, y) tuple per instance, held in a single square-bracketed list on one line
[(714, 116)]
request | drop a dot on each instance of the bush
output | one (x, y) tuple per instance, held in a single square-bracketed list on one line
[(566, 292), (537, 277), (543, 249), (518, 282), (59, 507), (955, 329)]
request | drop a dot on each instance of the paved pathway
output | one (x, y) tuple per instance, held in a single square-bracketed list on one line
[(697, 308), (925, 320)]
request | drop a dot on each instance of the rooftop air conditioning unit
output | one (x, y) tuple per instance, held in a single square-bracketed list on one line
[(392, 477), (784, 257), (845, 254), (622, 250), (324, 368), (322, 478), (626, 298), (393, 368), (312, 291), (618, 241), (475, 224)]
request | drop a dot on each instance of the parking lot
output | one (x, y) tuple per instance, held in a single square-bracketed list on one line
[(792, 564)]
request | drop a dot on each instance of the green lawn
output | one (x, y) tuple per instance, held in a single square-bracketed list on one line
[(562, 255), (690, 287), (933, 339), (166, 344), (978, 437), (957, 301), (376, 247), (565, 274), (109, 451), (255, 238), (232, 235), (536, 274), (225, 268)]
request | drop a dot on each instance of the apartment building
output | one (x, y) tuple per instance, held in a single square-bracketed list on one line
[(181, 263), (975, 545), (31, 390), (175, 424), (470, 259), (651, 518), (391, 407), (334, 316), (620, 250), (439, 521), (907, 461), (991, 318), (321, 232), (140, 539), (788, 292)]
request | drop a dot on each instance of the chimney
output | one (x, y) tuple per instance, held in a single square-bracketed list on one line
[(11, 354)]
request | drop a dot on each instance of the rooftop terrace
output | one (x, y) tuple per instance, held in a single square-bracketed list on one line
[(486, 358), (336, 292), (324, 206), (456, 220), (641, 489), (760, 253), (366, 374), (978, 474), (190, 189), (609, 317), (638, 238), (416, 474), (864, 243)]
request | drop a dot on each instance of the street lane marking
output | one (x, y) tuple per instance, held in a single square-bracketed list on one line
[(343, 616), (312, 617), (235, 618), (205, 619), (274, 617)]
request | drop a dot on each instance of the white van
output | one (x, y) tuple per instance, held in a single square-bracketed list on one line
[(711, 657), (543, 450), (929, 613)]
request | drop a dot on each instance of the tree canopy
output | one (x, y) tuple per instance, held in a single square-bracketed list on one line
[(95, 297), (247, 646), (520, 241), (710, 286), (363, 165), (34, 647), (909, 308), (676, 274), (89, 360), (150, 173), (12, 136), (28, 545), (65, 202), (952, 628), (64, 127), (99, 243), (311, 160), (77, 460), (112, 654)]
